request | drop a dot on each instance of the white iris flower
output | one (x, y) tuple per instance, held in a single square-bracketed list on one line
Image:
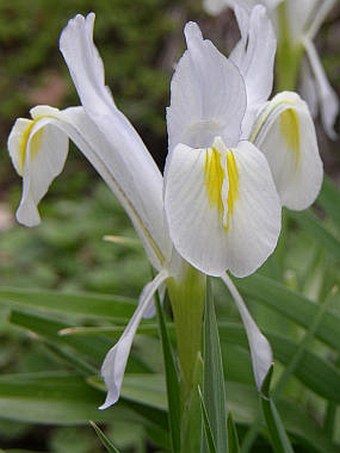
[(218, 206), (303, 19)]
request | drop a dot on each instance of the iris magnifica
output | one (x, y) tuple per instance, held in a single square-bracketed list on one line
[(297, 22), (234, 159)]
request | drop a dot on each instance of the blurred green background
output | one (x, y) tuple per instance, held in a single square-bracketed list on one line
[(140, 43)]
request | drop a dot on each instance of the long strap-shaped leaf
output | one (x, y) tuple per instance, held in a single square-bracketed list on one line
[(213, 377), (109, 447), (279, 439), (292, 305), (172, 382)]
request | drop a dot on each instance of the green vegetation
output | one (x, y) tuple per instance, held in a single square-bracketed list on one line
[(139, 42)]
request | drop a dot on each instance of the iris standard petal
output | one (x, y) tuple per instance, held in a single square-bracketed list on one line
[(114, 365), (260, 350), (321, 11), (285, 133), (222, 207), (145, 180), (44, 146), (254, 54), (328, 100), (216, 6), (208, 97)]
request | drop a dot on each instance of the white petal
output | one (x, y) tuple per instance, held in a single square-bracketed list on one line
[(323, 9), (75, 123), (299, 15), (114, 365), (38, 152), (260, 350), (208, 96), (210, 232), (214, 7), (285, 133), (308, 88), (329, 102), (255, 53), (145, 180)]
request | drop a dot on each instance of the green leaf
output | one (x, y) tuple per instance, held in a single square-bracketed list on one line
[(279, 439), (104, 439), (233, 442), (172, 382), (207, 430), (317, 230), (147, 389), (213, 377), (145, 393), (292, 305), (329, 200), (316, 373), (48, 328), (313, 371), (78, 304), (50, 398), (299, 355)]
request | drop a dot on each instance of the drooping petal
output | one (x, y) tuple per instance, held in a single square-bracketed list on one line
[(308, 88), (114, 365), (222, 207), (208, 97), (285, 133), (145, 180), (328, 100), (260, 350), (38, 151), (319, 13), (44, 143), (299, 15), (214, 7)]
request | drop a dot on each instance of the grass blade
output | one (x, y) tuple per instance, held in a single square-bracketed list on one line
[(292, 305), (233, 442), (329, 200), (110, 448), (279, 439), (317, 230), (73, 304), (208, 438)]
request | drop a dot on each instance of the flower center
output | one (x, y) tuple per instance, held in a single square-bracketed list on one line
[(215, 174)]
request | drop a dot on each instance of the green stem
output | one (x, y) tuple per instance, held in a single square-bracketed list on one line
[(289, 53), (187, 296)]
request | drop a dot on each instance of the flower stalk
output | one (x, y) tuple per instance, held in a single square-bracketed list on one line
[(187, 296), (289, 54)]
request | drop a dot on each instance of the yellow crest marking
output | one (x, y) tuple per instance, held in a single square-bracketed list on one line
[(233, 178), (290, 128), (35, 143), (214, 176)]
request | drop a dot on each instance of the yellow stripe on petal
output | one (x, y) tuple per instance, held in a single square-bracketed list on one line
[(290, 128), (233, 190), (214, 176), (35, 143)]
